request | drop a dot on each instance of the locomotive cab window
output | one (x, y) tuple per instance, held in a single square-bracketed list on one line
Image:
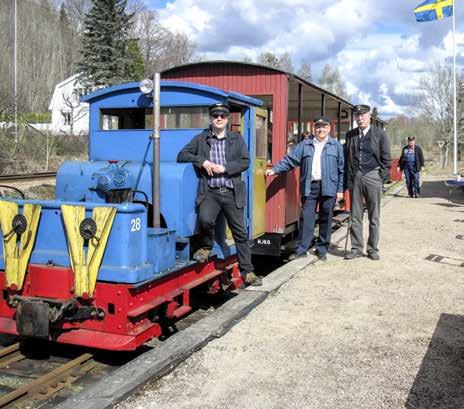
[(142, 118)]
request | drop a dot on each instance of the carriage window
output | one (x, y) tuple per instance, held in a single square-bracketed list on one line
[(184, 117), (142, 118), (261, 137)]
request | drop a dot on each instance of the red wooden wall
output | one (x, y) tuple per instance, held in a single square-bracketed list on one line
[(282, 208)]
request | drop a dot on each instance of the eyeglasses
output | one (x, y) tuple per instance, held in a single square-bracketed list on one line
[(222, 116)]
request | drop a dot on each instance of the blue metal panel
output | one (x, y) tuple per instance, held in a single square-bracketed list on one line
[(178, 189), (126, 258)]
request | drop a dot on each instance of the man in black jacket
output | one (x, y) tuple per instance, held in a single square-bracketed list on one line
[(219, 157), (412, 162), (367, 166)]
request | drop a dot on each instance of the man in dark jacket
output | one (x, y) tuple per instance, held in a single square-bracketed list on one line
[(367, 166), (321, 182), (219, 157), (412, 162)]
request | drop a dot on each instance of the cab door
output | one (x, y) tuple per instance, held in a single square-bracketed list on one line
[(259, 172)]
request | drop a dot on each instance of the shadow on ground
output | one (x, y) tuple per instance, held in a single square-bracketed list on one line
[(440, 380), (437, 189)]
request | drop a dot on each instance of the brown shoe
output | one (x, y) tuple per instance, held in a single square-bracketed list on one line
[(202, 255), (252, 279)]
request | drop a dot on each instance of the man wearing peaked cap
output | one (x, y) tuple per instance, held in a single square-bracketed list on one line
[(367, 166), (412, 162), (219, 108), (361, 109), (219, 157), (320, 159)]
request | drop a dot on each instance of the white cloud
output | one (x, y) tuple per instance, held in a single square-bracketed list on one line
[(378, 48)]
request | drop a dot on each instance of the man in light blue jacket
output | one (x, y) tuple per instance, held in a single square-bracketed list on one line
[(321, 182)]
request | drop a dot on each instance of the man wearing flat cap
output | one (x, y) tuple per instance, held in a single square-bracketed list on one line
[(367, 166), (320, 159), (219, 157), (411, 162)]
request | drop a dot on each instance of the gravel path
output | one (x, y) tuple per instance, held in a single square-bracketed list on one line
[(346, 334)]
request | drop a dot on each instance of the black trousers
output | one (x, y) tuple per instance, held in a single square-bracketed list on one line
[(209, 208), (308, 219)]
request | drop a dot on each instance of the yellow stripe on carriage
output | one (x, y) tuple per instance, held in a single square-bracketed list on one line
[(86, 266), (16, 254)]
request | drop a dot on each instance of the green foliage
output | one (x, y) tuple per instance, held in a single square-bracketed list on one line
[(105, 59), (38, 151), (136, 67), (28, 117), (400, 127)]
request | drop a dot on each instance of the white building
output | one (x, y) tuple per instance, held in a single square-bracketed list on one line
[(69, 115)]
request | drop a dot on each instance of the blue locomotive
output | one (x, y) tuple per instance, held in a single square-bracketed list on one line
[(92, 267)]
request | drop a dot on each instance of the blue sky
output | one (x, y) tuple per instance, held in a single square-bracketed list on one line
[(378, 47)]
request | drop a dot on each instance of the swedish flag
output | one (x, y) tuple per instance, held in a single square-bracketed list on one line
[(431, 10)]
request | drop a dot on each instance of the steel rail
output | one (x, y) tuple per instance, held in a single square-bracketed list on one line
[(10, 354), (52, 381), (40, 175)]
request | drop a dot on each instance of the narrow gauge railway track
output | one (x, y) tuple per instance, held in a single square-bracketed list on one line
[(27, 177), (28, 382), (38, 381)]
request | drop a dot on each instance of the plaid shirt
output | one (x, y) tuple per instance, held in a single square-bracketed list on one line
[(218, 155)]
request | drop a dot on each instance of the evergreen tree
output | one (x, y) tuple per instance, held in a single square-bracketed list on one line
[(136, 69), (105, 59)]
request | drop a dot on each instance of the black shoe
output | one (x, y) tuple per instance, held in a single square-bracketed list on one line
[(417, 196), (322, 257), (373, 255), (354, 254), (294, 256)]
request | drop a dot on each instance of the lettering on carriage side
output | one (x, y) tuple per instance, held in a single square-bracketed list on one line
[(264, 242), (135, 224)]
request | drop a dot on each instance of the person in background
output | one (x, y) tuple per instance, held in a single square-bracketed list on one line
[(367, 166), (219, 157), (412, 163), (321, 182), (290, 143)]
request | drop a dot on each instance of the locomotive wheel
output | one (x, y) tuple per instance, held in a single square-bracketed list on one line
[(35, 348)]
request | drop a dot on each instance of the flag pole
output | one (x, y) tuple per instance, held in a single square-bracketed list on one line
[(455, 161)]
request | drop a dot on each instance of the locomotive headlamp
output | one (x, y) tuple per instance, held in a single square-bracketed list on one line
[(19, 224), (146, 86)]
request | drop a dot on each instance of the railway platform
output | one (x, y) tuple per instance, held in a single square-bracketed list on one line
[(336, 334)]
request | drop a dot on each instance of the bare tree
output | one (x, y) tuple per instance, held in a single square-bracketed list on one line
[(331, 80), (435, 101), (161, 49), (281, 62), (305, 71)]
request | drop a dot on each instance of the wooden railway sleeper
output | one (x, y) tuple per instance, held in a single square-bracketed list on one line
[(10, 354)]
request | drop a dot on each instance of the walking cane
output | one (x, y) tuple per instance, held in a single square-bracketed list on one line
[(348, 231)]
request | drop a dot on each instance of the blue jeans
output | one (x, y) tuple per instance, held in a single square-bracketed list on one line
[(308, 220), (412, 180)]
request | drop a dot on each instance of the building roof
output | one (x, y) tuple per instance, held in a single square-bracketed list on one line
[(233, 96)]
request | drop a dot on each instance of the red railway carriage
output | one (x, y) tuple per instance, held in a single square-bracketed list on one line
[(291, 103)]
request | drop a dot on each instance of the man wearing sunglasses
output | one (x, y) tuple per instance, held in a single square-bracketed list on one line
[(219, 157)]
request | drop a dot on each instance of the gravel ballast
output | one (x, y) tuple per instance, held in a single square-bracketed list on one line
[(346, 334)]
